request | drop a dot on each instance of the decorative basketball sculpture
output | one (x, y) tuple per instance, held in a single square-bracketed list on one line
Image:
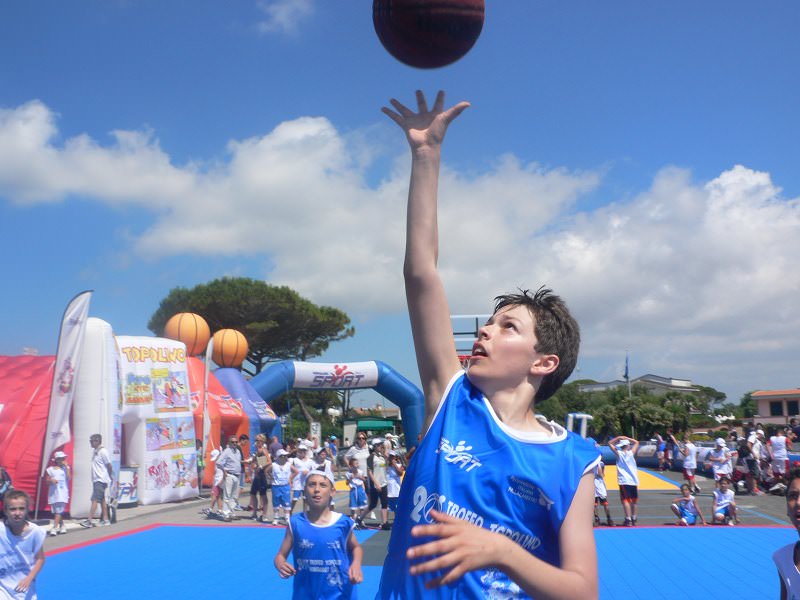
[(230, 348), (428, 33), (191, 329)]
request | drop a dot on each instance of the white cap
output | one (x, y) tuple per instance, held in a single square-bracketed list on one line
[(281, 452), (720, 442), (59, 454), (302, 447), (376, 441), (320, 449), (624, 443), (325, 474), (760, 432)]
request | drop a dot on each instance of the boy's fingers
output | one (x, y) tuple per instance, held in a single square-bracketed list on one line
[(455, 111), (438, 105), (401, 108), (421, 102)]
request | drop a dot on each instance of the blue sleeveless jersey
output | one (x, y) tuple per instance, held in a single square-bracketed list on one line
[(471, 466), (321, 559)]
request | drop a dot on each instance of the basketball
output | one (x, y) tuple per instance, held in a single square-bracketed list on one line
[(189, 328), (230, 348), (428, 34)]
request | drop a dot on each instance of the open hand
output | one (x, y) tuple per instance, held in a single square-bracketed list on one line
[(461, 547), (425, 128)]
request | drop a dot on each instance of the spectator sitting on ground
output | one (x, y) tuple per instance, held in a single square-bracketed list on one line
[(686, 508), (724, 506)]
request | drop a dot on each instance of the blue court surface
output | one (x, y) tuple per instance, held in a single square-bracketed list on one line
[(177, 562)]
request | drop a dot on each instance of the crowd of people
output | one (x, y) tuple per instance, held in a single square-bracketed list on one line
[(277, 472)]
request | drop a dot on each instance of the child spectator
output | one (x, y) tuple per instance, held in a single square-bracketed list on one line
[(627, 475), (21, 548), (281, 493), (394, 477), (724, 505), (601, 494), (327, 556), (215, 507), (358, 495), (58, 477), (301, 467), (720, 459), (686, 508), (487, 464), (689, 452), (787, 559)]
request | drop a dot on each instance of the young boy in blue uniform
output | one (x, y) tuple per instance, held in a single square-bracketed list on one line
[(327, 555), (496, 500)]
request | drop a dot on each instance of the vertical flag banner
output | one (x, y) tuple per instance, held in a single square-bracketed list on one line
[(70, 342)]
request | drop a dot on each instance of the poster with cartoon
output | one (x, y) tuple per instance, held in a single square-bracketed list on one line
[(158, 426)]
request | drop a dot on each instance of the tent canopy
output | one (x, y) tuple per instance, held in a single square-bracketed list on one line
[(373, 424)]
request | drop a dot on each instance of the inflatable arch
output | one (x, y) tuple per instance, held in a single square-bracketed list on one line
[(286, 375)]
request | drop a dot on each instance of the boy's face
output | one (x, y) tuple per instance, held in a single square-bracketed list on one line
[(354, 465), (723, 485), (16, 511), (686, 492), (505, 351), (319, 491), (792, 504)]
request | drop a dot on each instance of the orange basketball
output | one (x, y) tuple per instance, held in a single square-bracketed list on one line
[(191, 329), (230, 348)]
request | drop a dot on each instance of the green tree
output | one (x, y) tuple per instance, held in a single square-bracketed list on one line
[(278, 323), (748, 406)]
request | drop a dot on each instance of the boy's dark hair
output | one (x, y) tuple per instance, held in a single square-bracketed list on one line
[(724, 478), (794, 473), (556, 330)]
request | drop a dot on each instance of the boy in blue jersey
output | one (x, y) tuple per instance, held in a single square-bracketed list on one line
[(327, 555), (496, 501)]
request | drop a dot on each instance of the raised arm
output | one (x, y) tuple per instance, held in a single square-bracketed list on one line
[(427, 302)]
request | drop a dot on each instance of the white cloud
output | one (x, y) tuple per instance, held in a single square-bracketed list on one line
[(284, 16), (696, 279)]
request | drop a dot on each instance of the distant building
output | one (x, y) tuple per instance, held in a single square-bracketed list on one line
[(776, 406), (654, 384)]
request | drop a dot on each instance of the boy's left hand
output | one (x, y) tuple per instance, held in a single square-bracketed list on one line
[(461, 545), (355, 574)]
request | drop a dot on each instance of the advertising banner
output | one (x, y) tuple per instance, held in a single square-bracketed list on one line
[(157, 419), (330, 376)]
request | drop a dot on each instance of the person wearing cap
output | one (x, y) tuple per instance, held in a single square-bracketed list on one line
[(301, 466), (394, 477), (625, 449), (215, 508), (58, 478), (333, 453), (376, 471), (281, 470), (720, 459), (755, 445)]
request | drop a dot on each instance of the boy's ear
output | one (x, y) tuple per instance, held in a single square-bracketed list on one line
[(544, 365)]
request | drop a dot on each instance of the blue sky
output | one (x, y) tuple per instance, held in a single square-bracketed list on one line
[(639, 158)]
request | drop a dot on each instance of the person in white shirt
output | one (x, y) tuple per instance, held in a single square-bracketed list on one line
[(689, 452), (627, 475), (301, 467), (21, 548), (720, 459), (102, 475), (787, 558), (724, 506), (780, 455), (58, 476)]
